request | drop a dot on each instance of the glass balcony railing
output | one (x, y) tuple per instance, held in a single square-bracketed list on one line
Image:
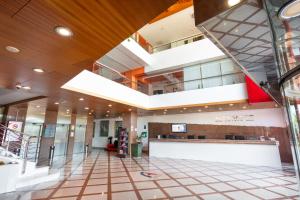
[(150, 49), (208, 82), (118, 77), (178, 43), (169, 83)]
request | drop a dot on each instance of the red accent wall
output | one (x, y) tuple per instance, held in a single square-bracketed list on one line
[(255, 93)]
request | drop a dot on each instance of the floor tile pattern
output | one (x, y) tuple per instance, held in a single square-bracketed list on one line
[(103, 176)]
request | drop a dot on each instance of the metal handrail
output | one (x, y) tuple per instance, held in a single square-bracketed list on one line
[(21, 141), (121, 79)]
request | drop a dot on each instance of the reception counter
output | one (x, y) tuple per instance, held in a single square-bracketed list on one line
[(248, 152)]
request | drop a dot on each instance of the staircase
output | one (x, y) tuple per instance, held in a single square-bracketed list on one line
[(19, 152)]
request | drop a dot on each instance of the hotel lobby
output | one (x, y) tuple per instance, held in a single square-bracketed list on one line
[(141, 100)]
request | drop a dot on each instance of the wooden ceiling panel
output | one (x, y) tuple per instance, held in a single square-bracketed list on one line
[(98, 26)]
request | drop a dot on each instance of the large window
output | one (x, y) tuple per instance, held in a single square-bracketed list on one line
[(104, 128), (212, 74)]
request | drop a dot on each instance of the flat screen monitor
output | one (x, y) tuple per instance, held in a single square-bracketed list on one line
[(179, 128)]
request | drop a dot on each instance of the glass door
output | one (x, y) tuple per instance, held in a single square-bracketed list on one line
[(61, 139), (79, 139)]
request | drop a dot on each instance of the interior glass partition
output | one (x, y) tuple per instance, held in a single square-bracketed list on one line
[(79, 138), (286, 40), (61, 139)]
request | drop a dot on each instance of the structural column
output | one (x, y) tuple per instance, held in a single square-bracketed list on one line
[(71, 135), (130, 123)]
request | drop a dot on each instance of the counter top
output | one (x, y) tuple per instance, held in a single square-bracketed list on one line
[(220, 141)]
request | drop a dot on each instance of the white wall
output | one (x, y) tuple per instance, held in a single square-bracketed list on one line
[(185, 55), (272, 117), (236, 92), (92, 84), (101, 142)]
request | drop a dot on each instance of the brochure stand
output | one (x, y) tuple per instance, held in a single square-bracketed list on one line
[(123, 143)]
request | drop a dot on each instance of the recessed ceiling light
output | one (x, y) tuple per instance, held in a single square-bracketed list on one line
[(106, 115), (26, 87), (129, 109), (18, 86), (12, 49), (290, 10), (231, 104), (68, 110), (81, 99), (63, 31), (38, 70), (38, 106), (56, 103), (108, 111), (90, 113), (86, 108), (109, 105), (184, 108), (233, 2)]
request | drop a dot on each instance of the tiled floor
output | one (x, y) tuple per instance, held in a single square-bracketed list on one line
[(103, 176)]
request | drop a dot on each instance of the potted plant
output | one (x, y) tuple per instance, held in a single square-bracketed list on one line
[(136, 148)]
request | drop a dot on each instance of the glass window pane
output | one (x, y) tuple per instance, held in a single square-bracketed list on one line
[(232, 79), (211, 69), (212, 82), (228, 67), (191, 73), (192, 85), (104, 127)]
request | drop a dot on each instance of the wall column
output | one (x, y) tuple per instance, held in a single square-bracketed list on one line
[(71, 135), (130, 123), (47, 140), (89, 131)]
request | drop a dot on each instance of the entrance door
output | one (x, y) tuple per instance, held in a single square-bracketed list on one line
[(79, 139), (61, 139)]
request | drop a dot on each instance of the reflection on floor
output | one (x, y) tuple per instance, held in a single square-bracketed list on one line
[(103, 176)]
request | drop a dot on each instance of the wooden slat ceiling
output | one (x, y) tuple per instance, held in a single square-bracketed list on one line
[(98, 26)]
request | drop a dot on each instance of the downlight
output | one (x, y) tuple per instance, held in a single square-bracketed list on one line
[(290, 10)]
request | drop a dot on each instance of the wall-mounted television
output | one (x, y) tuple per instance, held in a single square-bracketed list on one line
[(178, 128)]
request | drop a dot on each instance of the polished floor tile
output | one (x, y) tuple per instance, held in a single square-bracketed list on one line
[(103, 176)]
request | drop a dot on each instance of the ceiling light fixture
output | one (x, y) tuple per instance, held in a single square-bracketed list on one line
[(63, 31), (38, 70), (184, 108), (108, 111), (86, 108), (26, 87), (290, 10), (129, 109), (233, 2), (81, 99), (56, 103), (109, 105), (38, 106), (12, 49), (231, 104)]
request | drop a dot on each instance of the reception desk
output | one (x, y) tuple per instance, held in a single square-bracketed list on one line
[(248, 152)]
